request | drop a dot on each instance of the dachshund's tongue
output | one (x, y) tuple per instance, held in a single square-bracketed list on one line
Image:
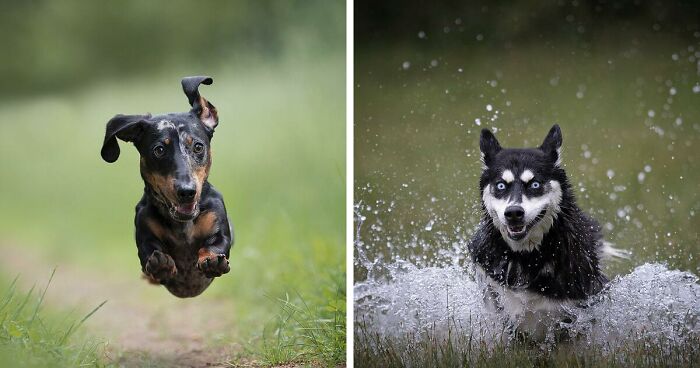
[(186, 208)]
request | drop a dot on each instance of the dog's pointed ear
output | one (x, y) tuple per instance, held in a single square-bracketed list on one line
[(203, 109), (125, 127), (489, 147), (552, 145)]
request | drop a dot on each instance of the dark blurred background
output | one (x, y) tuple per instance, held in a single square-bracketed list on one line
[(52, 46), (622, 78), (518, 21)]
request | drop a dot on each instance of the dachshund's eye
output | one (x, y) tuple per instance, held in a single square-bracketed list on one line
[(501, 186), (158, 151), (535, 184), (198, 148)]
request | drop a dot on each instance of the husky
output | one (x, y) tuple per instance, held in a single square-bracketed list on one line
[(537, 251)]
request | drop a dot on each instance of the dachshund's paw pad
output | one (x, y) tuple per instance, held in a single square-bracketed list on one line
[(213, 265), (160, 266)]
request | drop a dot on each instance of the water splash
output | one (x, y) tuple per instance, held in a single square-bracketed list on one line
[(414, 300), (650, 302), (440, 296)]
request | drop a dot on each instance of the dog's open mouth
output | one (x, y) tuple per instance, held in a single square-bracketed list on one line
[(186, 208), (184, 211), (519, 231)]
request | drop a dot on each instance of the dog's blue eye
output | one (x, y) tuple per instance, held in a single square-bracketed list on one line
[(501, 186), (535, 185)]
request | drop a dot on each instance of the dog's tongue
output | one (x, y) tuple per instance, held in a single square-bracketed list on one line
[(186, 208)]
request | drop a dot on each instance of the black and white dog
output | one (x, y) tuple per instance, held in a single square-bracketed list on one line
[(538, 251)]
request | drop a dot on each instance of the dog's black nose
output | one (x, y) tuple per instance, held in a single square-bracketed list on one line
[(514, 214), (186, 192)]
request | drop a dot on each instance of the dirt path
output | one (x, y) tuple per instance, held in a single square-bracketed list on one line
[(142, 323)]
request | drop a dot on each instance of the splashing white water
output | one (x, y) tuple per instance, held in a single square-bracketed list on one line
[(650, 302)]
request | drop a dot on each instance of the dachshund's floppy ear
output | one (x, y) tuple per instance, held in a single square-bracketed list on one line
[(200, 106), (125, 127)]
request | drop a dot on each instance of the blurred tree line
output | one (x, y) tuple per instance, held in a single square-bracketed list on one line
[(48, 45), (387, 21)]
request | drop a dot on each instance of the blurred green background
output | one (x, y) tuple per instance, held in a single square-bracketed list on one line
[(278, 152), (622, 78)]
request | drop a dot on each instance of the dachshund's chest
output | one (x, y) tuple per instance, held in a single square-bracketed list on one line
[(182, 243), (189, 280), (183, 240)]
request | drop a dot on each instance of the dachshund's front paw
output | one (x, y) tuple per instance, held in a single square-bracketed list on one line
[(212, 264), (160, 266)]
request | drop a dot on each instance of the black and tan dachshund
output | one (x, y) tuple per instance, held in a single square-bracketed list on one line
[(183, 234)]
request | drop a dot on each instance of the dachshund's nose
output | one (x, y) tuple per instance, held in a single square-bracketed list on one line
[(186, 192)]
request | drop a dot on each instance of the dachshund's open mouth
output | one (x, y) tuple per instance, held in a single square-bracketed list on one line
[(184, 211), (186, 208)]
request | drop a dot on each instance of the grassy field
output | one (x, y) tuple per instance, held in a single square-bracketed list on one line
[(627, 106), (278, 159), (31, 337)]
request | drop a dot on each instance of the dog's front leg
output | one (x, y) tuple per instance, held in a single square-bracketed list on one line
[(213, 256), (158, 267)]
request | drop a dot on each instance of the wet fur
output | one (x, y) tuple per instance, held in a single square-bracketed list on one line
[(564, 266), (561, 268)]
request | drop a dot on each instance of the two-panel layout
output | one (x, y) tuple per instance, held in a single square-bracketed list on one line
[(329, 183)]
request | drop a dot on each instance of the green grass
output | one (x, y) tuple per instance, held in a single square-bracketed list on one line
[(278, 159), (461, 350), (307, 330), (32, 337)]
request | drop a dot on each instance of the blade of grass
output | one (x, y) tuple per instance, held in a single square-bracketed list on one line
[(23, 304), (41, 299), (7, 298), (74, 327)]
